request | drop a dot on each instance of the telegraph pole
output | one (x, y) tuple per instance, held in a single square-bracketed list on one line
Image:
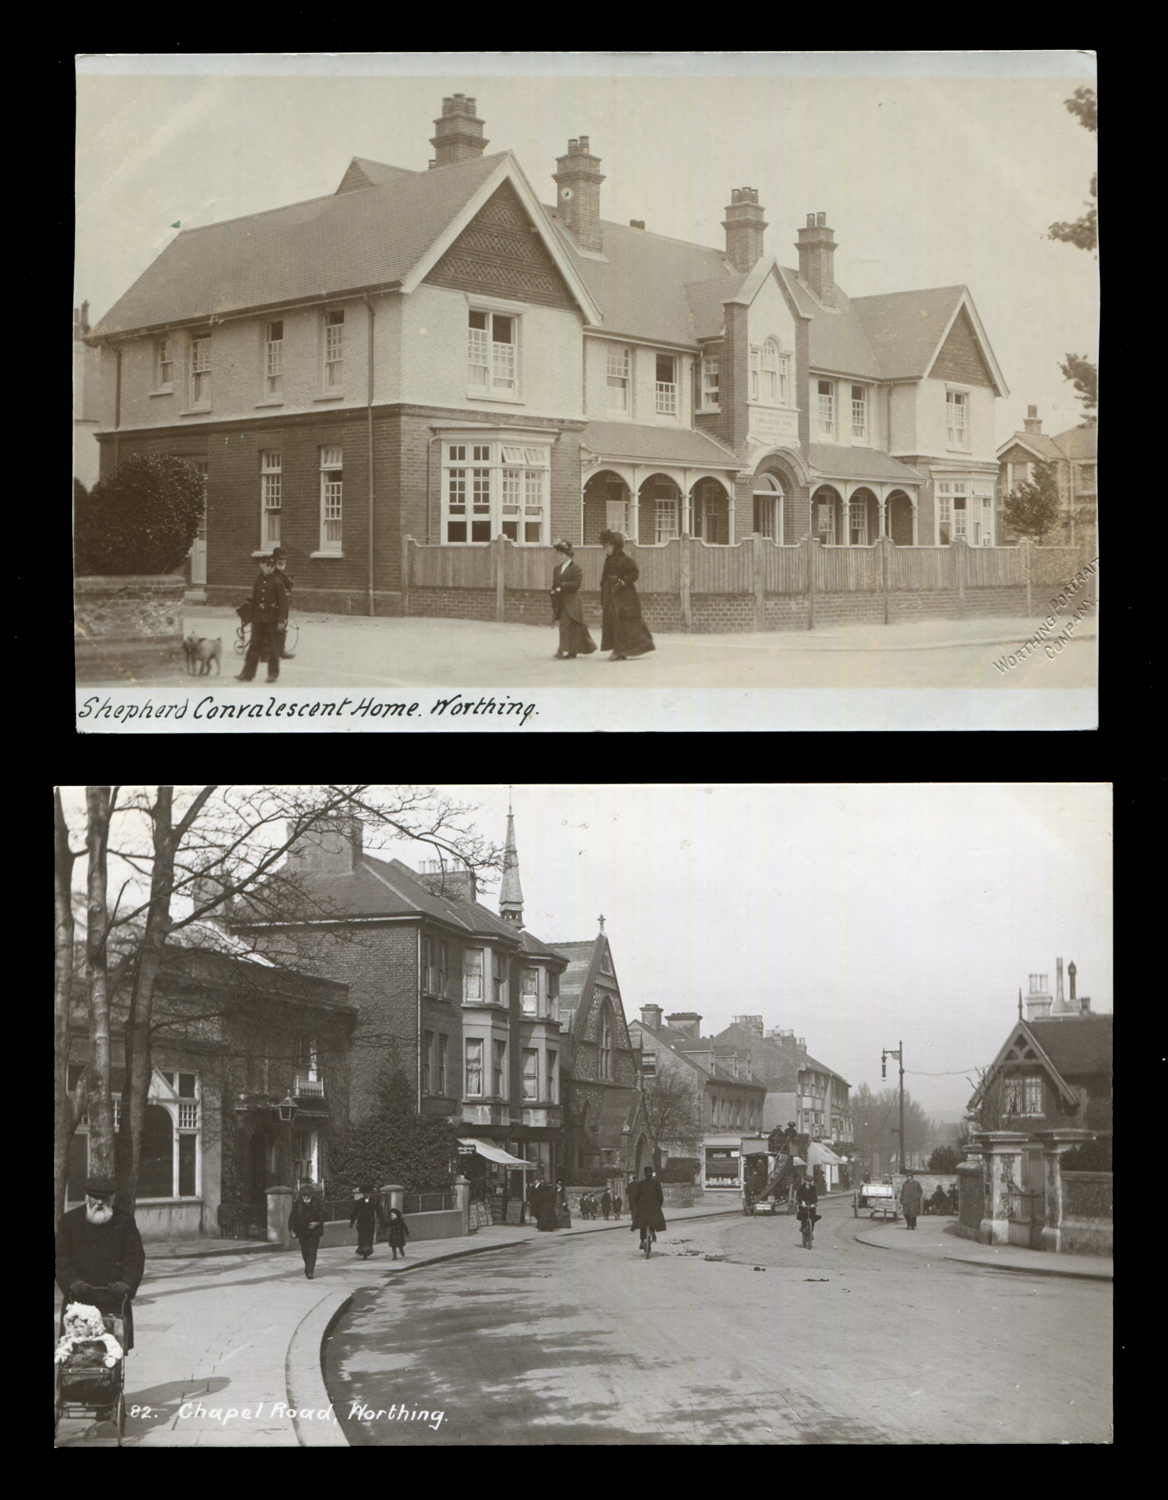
[(899, 1055)]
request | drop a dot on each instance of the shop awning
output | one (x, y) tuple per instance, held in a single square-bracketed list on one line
[(820, 1156), (496, 1153)]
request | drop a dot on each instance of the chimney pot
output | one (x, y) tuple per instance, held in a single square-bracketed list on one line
[(458, 132), (820, 220), (810, 221), (1032, 411), (636, 223), (1071, 976)]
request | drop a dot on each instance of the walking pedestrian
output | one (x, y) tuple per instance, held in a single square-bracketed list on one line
[(399, 1232), (605, 1202), (616, 1204), (369, 1217), (99, 1246), (567, 610), (625, 633), (306, 1222), (563, 1215), (281, 561), (910, 1201), (269, 598), (546, 1215)]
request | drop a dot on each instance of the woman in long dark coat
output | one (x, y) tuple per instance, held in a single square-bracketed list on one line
[(566, 607), (545, 1206), (369, 1217), (625, 632)]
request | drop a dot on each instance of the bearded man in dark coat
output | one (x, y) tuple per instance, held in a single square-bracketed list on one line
[(625, 633), (646, 1200), (99, 1246)]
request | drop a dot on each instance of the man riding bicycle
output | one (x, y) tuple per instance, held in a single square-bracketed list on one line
[(807, 1200), (646, 1200)]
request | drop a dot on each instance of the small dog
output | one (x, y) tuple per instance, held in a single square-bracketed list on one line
[(200, 652)]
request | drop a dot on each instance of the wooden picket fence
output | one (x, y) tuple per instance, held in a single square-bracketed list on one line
[(687, 566)]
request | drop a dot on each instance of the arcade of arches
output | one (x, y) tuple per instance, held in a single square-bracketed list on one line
[(662, 513), (859, 524)]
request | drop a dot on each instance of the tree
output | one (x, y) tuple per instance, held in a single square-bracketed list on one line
[(1033, 509), (142, 519), (211, 845), (394, 1144), (945, 1158), (1084, 377), (1082, 232), (875, 1123), (672, 1113)]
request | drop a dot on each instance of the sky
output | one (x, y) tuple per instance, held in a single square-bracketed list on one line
[(934, 169), (857, 915)]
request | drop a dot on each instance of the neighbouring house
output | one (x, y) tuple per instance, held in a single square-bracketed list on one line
[(435, 354), (465, 999), (601, 1094), (1052, 1072), (86, 410), (235, 1035), (799, 1087), (726, 1104), (1073, 454)]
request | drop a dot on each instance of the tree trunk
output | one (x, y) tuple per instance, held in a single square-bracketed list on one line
[(99, 809), (65, 1112)]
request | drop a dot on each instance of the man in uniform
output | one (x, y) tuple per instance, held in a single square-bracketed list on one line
[(281, 562), (269, 600)]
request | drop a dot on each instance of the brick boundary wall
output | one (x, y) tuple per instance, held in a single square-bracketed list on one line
[(321, 601)]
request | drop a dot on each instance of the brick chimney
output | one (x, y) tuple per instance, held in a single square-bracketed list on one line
[(651, 1016), (688, 1022), (332, 848), (816, 258), (458, 133), (578, 180), (753, 1024), (1038, 1001), (1033, 422), (744, 224), (1071, 972), (455, 885)]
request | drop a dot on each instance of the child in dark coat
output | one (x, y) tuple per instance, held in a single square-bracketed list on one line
[(398, 1232)]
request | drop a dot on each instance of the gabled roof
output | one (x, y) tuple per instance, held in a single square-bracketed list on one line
[(640, 282), (386, 236), (707, 314), (1077, 1045), (860, 463), (810, 1062), (1078, 442), (1044, 448), (838, 340), (363, 173), (631, 441), (907, 330)]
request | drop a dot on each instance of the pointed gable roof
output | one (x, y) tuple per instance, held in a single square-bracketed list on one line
[(363, 173), (386, 237), (1044, 448), (1023, 1045), (907, 331)]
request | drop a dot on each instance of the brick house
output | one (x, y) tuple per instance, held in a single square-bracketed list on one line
[(236, 1035), (599, 1067), (1054, 1071), (1074, 456), (465, 997), (436, 354), (728, 1101)]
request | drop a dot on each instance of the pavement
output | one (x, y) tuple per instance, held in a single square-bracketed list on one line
[(937, 1239), (201, 1362), (342, 651)]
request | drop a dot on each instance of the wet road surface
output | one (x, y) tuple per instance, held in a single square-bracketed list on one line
[(584, 1341)]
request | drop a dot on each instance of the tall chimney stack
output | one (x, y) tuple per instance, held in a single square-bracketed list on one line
[(1071, 971), (1058, 991), (744, 225), (577, 179), (458, 132), (816, 247), (1032, 423)]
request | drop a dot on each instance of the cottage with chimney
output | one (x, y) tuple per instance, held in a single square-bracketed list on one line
[(1073, 454), (436, 354)]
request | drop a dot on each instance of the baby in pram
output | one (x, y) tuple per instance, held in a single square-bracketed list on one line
[(84, 1331)]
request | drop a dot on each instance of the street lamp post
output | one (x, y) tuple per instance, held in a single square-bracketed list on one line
[(288, 1110), (899, 1055)]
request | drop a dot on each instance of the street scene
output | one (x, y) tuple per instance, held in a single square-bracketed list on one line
[(353, 406), (354, 1147)]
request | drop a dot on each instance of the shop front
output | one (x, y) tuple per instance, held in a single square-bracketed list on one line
[(721, 1163), (499, 1179)]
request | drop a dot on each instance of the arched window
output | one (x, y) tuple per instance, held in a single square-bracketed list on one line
[(156, 1163), (605, 1043), (768, 507)]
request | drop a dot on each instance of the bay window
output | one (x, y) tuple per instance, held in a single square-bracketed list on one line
[(499, 1070), (492, 354), (498, 977), (530, 1073), (472, 974), (529, 991), (474, 1068), (496, 489), (551, 1077)]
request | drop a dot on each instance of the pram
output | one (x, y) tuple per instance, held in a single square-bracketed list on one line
[(85, 1385), (243, 632)]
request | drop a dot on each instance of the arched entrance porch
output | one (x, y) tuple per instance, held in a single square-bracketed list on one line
[(769, 498), (606, 505), (659, 510), (710, 508), (863, 518), (827, 515), (899, 518)]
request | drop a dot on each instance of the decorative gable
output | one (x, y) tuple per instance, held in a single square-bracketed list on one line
[(499, 254), (961, 358), (354, 179)]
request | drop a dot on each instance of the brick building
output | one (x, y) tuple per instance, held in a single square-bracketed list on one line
[(728, 1101), (436, 354), (464, 998), (1074, 456), (601, 1079)]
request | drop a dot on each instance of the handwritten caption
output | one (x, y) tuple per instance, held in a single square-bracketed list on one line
[(211, 706)]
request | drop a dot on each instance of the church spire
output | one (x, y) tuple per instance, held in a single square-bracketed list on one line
[(511, 894)]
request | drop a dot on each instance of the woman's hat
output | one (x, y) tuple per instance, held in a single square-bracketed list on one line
[(615, 537), (561, 546)]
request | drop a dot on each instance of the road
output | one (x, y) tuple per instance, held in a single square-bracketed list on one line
[(581, 1340), (338, 652)]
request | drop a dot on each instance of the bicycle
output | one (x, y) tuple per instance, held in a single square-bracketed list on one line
[(807, 1216), (243, 631), (648, 1236)]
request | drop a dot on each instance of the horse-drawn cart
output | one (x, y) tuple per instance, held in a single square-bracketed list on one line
[(875, 1198)]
